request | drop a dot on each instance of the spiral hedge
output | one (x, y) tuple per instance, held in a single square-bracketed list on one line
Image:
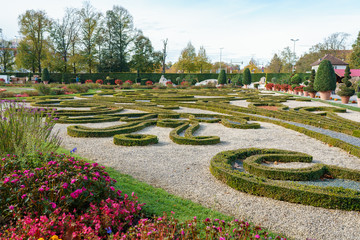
[(259, 181)]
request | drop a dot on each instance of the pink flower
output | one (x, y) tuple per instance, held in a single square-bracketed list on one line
[(73, 180), (22, 186), (53, 205), (41, 189), (6, 180), (257, 236), (65, 185), (63, 198), (112, 188), (11, 207), (23, 196)]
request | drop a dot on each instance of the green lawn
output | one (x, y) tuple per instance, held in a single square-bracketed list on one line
[(17, 89)]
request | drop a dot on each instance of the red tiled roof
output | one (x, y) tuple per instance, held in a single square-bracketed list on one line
[(332, 59), (353, 72)]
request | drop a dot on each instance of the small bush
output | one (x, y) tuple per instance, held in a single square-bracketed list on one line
[(99, 81), (118, 82), (43, 89), (222, 77), (79, 88), (89, 81), (325, 79)]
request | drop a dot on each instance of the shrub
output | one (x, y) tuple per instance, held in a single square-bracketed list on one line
[(148, 83), (118, 82), (89, 81), (99, 81), (325, 79), (43, 89), (79, 88), (25, 130), (246, 77), (222, 77), (135, 139), (346, 88), (269, 86), (310, 86), (296, 79)]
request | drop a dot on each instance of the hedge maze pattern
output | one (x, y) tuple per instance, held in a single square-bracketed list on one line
[(256, 178)]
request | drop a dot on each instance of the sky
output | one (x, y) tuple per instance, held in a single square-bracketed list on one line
[(242, 29)]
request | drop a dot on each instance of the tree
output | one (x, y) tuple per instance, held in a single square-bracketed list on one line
[(187, 59), (246, 77), (45, 76), (310, 87), (325, 79), (25, 57), (90, 34), (64, 34), (202, 61), (144, 58), (355, 55), (222, 77), (345, 88), (7, 54), (119, 33), (287, 58), (275, 64), (164, 56), (33, 26)]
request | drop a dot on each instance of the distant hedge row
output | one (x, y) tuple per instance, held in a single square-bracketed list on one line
[(154, 77)]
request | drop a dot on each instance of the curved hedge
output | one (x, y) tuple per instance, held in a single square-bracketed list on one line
[(221, 167), (169, 123), (239, 123), (189, 139), (135, 139), (92, 119), (82, 131)]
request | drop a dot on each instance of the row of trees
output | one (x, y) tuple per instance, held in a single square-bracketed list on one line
[(84, 40)]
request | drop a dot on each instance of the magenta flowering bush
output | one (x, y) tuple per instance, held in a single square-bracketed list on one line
[(169, 228), (108, 216), (61, 182)]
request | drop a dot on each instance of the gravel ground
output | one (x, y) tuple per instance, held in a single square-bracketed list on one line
[(184, 171)]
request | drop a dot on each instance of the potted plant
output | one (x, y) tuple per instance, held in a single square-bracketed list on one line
[(310, 87), (325, 80), (346, 89), (45, 76)]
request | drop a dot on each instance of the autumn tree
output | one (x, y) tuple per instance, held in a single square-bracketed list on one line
[(33, 26), (25, 57), (64, 34), (187, 59), (90, 26), (275, 64), (253, 66), (287, 58), (355, 55), (202, 61)]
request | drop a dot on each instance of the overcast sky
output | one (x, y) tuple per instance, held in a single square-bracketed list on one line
[(243, 28)]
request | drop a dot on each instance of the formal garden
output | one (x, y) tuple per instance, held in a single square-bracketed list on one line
[(152, 161)]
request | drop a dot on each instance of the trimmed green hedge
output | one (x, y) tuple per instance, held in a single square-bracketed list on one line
[(221, 167), (82, 131), (189, 139), (93, 119), (170, 123), (135, 139)]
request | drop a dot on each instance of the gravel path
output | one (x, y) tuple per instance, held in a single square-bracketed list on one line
[(184, 171)]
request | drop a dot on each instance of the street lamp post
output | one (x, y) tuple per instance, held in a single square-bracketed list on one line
[(220, 57), (294, 40)]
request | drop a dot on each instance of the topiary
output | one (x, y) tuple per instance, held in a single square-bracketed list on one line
[(325, 79), (310, 86), (246, 77), (45, 75), (222, 77), (295, 80), (346, 88)]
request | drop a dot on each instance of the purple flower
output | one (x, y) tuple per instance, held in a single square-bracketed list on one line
[(11, 207)]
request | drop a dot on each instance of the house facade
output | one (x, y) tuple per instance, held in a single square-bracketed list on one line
[(336, 62)]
